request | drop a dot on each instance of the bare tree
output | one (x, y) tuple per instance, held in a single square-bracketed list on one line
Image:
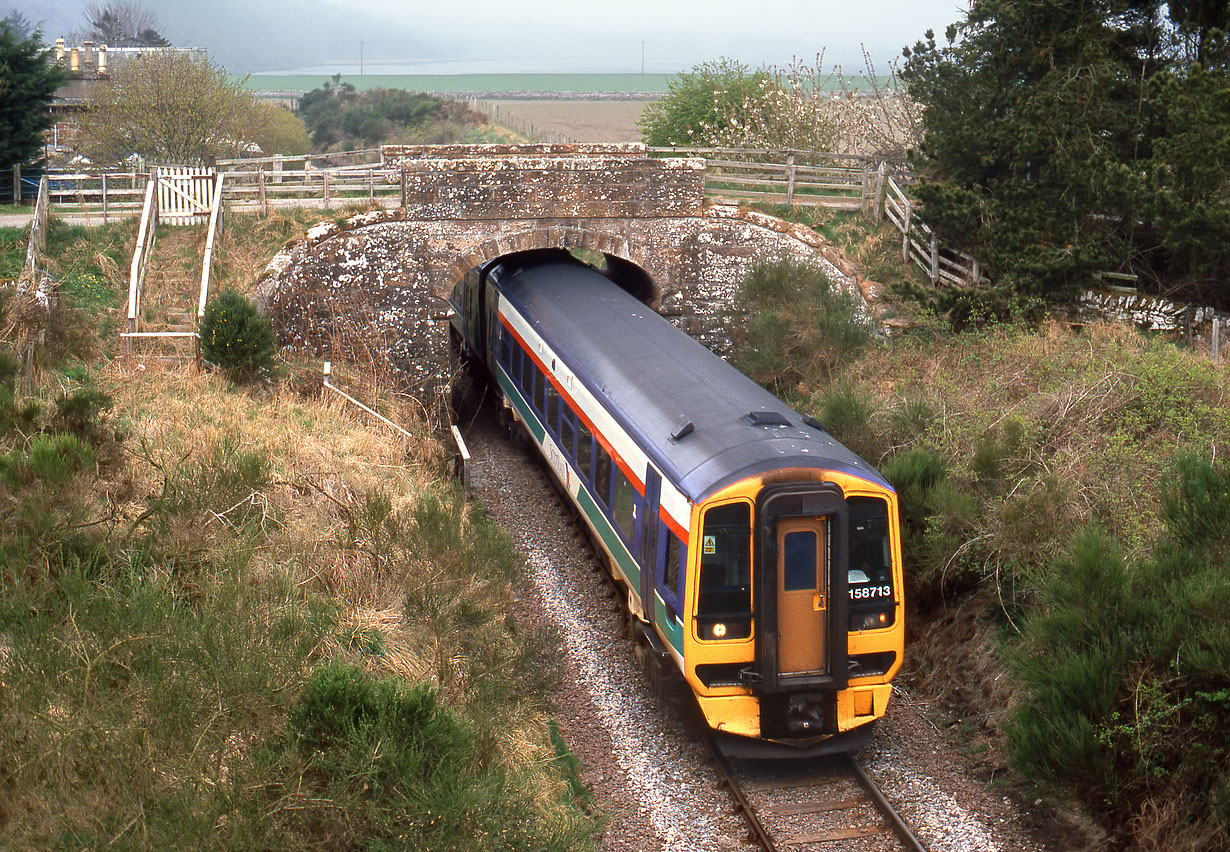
[(121, 23), (169, 106)]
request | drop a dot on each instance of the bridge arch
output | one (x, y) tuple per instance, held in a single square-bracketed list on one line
[(383, 274), (619, 252)]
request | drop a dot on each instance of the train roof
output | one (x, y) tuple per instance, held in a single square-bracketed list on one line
[(656, 380)]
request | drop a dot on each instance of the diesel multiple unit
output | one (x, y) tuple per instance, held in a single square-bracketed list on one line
[(758, 552)]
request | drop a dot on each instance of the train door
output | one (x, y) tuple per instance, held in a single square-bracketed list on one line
[(802, 542), (647, 538), (802, 594)]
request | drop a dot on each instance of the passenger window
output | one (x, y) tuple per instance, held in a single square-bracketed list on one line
[(552, 406), (527, 374), (540, 391), (724, 607), (623, 505), (505, 347), (566, 432), (602, 475), (585, 450)]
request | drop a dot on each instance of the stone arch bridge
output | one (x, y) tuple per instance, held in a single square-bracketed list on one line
[(382, 275)]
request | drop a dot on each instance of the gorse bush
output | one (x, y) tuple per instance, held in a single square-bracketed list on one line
[(793, 325), (237, 337), (1125, 668)]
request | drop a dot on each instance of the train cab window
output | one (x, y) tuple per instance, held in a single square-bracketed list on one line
[(566, 432), (602, 475), (585, 451), (552, 406), (623, 505), (724, 606), (870, 572)]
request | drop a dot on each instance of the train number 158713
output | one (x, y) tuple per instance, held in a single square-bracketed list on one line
[(870, 592)]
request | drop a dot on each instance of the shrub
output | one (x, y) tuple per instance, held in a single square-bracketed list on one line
[(1127, 699), (237, 337), (377, 763), (793, 324)]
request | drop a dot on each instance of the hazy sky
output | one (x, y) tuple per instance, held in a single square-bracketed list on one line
[(676, 33), (439, 36)]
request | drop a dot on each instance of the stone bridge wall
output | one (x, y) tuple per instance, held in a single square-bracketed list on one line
[(389, 270)]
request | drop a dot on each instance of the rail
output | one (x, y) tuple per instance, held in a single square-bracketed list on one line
[(328, 374), (920, 246), (215, 228), (140, 261), (767, 826)]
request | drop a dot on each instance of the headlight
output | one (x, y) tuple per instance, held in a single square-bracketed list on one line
[(719, 631), (870, 620)]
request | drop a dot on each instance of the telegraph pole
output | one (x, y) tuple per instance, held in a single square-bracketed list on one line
[(360, 59)]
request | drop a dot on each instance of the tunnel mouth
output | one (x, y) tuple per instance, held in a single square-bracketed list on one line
[(625, 274)]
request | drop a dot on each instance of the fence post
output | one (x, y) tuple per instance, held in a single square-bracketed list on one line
[(935, 260), (881, 188), (1216, 339), (326, 179), (371, 187), (104, 197), (790, 179), (260, 186), (403, 187), (16, 186)]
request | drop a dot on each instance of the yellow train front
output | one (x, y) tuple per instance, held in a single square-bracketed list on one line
[(758, 553)]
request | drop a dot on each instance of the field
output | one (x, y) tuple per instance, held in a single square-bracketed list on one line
[(584, 121), (476, 83)]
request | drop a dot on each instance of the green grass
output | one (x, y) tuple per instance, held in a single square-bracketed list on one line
[(232, 621), (13, 245)]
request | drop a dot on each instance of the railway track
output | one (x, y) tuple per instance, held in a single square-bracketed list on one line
[(803, 805)]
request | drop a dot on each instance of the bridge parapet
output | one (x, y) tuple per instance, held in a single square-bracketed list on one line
[(516, 182)]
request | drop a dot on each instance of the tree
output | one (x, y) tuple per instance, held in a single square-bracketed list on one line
[(701, 104), (1101, 148), (340, 117), (169, 106), (237, 337), (1024, 150), (119, 23), (27, 85), (277, 130)]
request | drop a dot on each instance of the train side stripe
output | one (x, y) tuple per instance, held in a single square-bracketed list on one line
[(676, 526)]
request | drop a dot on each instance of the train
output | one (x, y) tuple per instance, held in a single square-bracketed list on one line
[(758, 556)]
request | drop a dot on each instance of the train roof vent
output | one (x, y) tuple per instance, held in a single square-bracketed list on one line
[(808, 420), (682, 428), (765, 418)]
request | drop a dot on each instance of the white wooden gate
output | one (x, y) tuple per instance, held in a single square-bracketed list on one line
[(185, 194)]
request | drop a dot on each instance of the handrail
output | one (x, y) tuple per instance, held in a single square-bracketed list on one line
[(215, 226), (140, 256)]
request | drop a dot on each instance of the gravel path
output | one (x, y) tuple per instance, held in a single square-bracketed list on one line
[(642, 766)]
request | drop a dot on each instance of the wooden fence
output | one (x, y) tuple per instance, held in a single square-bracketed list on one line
[(103, 193), (804, 178), (920, 246)]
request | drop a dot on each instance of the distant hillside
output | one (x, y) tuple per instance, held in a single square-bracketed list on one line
[(246, 36)]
